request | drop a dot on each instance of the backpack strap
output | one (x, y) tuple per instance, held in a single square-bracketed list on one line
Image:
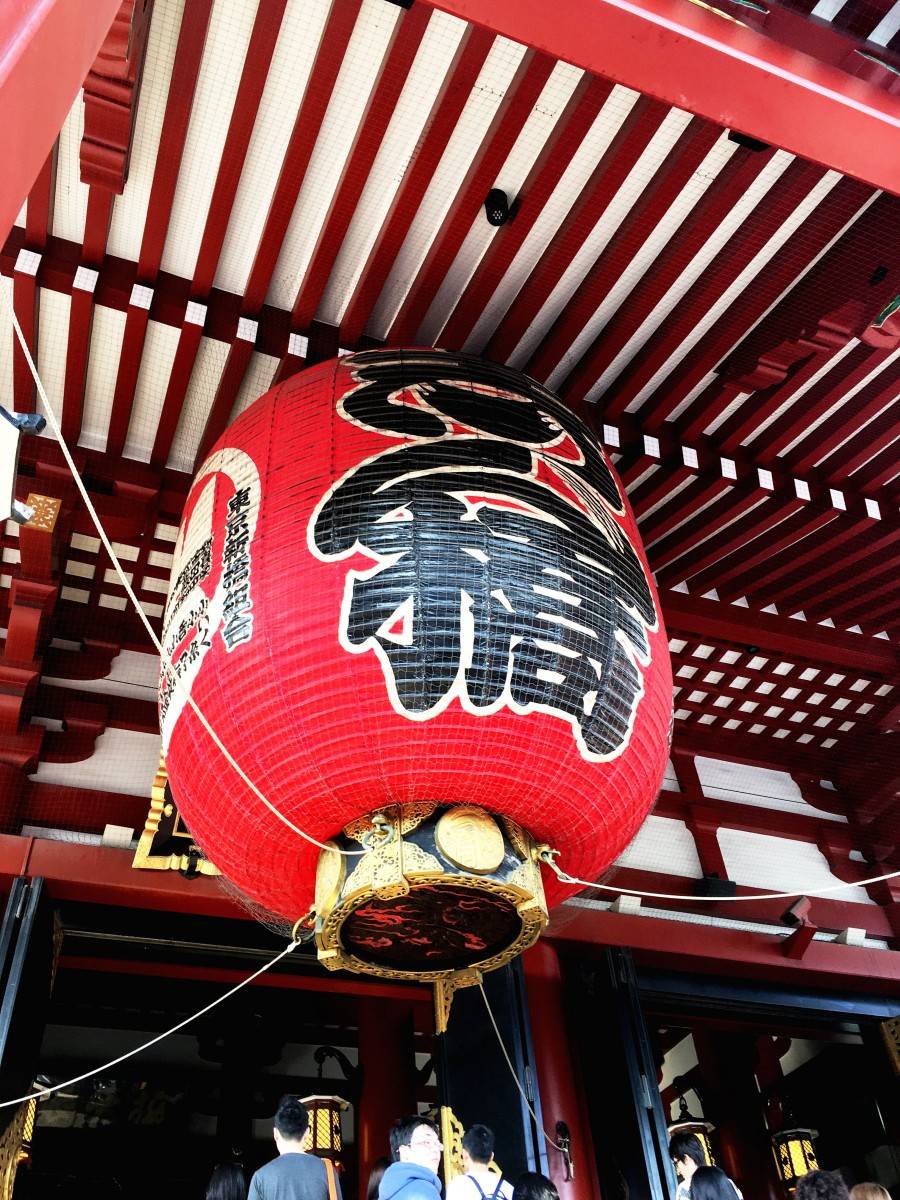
[(481, 1191), (498, 1193), (329, 1175)]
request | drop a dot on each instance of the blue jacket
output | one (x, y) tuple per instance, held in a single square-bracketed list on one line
[(409, 1181)]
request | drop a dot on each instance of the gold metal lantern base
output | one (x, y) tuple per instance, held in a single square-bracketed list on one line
[(441, 889)]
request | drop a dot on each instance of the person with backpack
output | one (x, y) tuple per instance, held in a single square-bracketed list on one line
[(480, 1182)]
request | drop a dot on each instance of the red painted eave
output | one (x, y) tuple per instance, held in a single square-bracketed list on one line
[(46, 49), (704, 63)]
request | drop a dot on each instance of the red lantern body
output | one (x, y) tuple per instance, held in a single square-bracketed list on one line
[(407, 576)]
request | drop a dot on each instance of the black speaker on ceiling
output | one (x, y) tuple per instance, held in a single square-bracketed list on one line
[(713, 886), (496, 207)]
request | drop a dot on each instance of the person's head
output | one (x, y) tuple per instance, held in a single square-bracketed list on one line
[(711, 1183), (821, 1185), (534, 1186), (477, 1146), (869, 1191), (290, 1125), (227, 1182), (686, 1154), (379, 1166), (415, 1139)]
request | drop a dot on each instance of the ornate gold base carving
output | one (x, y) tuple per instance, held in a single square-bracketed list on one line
[(443, 892), (165, 843)]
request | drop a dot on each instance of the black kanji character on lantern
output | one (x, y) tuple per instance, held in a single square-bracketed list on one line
[(494, 587)]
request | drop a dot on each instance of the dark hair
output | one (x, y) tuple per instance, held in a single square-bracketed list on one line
[(711, 1183), (227, 1182), (379, 1166), (687, 1145), (403, 1129), (478, 1140), (534, 1186), (821, 1185), (291, 1118)]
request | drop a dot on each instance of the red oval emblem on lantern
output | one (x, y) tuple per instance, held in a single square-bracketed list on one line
[(408, 576)]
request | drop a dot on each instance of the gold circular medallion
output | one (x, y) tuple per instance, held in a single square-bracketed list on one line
[(330, 873), (471, 839)]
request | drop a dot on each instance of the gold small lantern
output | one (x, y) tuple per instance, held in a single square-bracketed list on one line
[(687, 1123), (324, 1136), (795, 1154)]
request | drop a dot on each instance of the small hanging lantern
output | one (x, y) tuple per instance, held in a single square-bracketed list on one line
[(687, 1123), (795, 1154), (324, 1136)]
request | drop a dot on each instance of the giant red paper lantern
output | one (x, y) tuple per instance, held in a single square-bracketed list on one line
[(411, 578)]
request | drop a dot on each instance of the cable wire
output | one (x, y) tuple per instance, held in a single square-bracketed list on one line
[(564, 877), (512, 1070), (123, 579), (44, 1092)]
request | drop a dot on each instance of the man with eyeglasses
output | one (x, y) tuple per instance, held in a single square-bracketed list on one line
[(416, 1150)]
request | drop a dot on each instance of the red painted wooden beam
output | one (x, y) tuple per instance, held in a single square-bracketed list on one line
[(624, 150), (692, 58), (255, 71), (732, 951), (513, 111), (648, 210), (701, 618), (825, 222), (419, 994), (398, 59), (46, 49), (317, 94), (182, 86), (570, 130), (445, 112)]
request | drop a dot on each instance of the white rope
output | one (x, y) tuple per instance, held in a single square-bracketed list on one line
[(123, 579), (564, 877), (512, 1070), (153, 1041), (235, 766)]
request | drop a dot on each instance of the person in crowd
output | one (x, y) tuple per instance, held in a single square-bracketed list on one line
[(534, 1186), (869, 1191), (227, 1182), (821, 1185), (379, 1166), (686, 1153), (479, 1181), (294, 1174), (711, 1183), (416, 1152)]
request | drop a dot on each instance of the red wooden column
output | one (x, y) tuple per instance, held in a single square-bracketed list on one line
[(562, 1098), (387, 1060), (728, 1064)]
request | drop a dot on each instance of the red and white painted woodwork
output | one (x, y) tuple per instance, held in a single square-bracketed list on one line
[(320, 717)]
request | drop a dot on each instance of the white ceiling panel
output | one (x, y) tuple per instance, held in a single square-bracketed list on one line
[(227, 38), (160, 346), (481, 108), (129, 213), (618, 105), (352, 89), (295, 53), (70, 203), (211, 359), (539, 125), (53, 334), (100, 384), (398, 147)]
